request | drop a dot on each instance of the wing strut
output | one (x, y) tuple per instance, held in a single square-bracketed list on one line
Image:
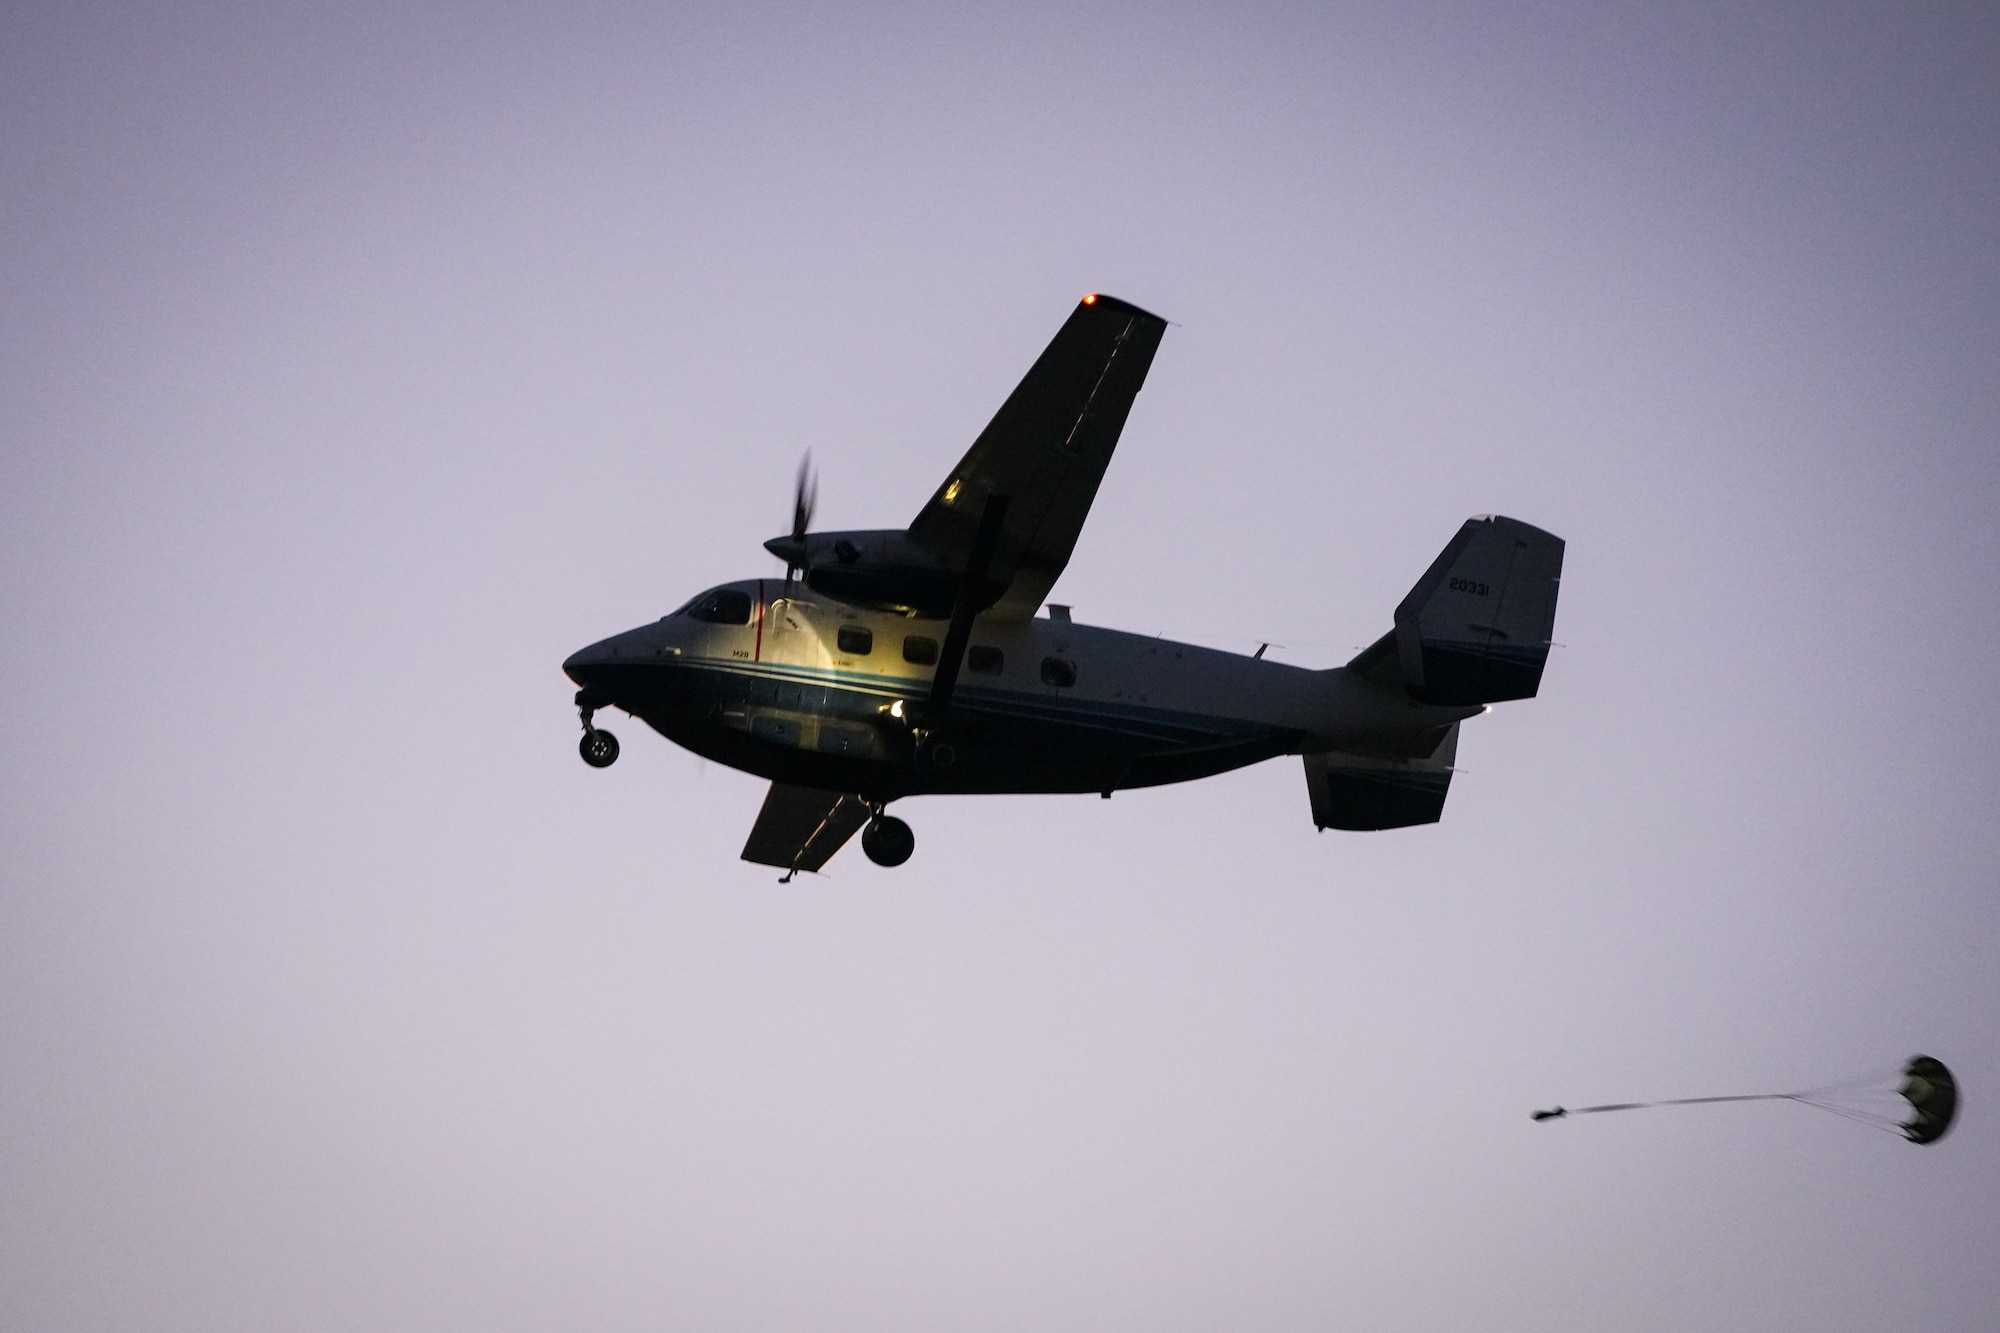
[(968, 603)]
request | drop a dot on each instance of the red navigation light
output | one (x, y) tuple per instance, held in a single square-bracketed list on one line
[(1090, 299)]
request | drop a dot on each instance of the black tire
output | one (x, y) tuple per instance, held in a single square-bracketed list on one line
[(598, 748), (888, 841)]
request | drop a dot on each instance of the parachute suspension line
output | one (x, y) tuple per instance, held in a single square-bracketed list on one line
[(1850, 1100), (1675, 1101), (1888, 1124), (1874, 1080)]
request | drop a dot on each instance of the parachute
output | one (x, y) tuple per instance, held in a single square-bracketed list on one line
[(1926, 1089), (1932, 1093)]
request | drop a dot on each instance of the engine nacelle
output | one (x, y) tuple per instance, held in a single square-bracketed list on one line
[(884, 569)]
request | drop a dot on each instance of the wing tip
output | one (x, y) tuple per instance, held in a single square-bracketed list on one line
[(1108, 302)]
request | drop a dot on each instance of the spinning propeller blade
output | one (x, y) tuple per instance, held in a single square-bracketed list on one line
[(805, 498), (971, 592)]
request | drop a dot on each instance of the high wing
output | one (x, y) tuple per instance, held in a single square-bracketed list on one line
[(800, 828), (1046, 450)]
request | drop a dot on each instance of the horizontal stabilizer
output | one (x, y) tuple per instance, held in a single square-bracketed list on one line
[(1476, 628), (1360, 792), (800, 828)]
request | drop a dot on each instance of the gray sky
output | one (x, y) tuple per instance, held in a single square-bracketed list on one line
[(358, 363)]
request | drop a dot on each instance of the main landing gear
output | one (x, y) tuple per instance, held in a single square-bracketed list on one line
[(887, 840), (598, 748)]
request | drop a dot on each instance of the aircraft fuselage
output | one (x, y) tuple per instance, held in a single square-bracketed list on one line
[(810, 691)]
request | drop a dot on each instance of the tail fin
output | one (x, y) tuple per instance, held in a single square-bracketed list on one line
[(1476, 628)]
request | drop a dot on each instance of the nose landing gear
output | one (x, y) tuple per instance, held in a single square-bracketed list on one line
[(888, 840), (598, 748)]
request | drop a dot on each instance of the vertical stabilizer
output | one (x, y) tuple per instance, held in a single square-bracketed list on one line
[(1476, 628)]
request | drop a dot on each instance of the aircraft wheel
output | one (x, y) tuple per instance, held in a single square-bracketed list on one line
[(598, 748), (888, 841)]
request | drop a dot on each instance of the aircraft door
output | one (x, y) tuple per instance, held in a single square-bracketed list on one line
[(792, 636)]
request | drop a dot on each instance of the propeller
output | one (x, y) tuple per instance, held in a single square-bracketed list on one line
[(805, 498), (972, 592)]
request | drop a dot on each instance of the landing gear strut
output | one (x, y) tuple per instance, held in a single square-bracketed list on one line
[(598, 748), (888, 840)]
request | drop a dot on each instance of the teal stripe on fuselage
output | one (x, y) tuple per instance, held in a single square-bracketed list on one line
[(1068, 710)]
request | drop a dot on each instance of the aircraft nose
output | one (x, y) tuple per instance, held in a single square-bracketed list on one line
[(580, 665)]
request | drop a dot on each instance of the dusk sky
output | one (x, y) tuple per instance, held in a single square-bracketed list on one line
[(358, 363)]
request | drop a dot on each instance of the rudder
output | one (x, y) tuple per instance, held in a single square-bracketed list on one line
[(1476, 627)]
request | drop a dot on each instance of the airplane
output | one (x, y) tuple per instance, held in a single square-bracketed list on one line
[(897, 663)]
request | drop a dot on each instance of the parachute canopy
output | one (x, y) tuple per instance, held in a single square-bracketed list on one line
[(1926, 1089), (1932, 1094)]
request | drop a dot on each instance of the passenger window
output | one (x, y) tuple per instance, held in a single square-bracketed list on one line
[(724, 606), (855, 641), (922, 651), (984, 661), (1059, 672)]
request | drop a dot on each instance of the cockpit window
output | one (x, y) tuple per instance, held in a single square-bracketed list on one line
[(724, 606)]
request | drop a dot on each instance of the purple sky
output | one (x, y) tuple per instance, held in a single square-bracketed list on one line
[(358, 363)]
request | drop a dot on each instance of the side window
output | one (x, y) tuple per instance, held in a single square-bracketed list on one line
[(724, 606), (1059, 672), (922, 651), (984, 661), (855, 641)]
